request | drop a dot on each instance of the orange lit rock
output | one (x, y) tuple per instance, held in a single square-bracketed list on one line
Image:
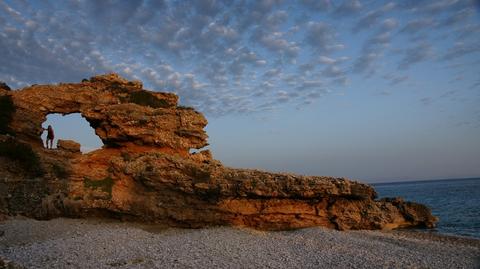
[(145, 170)]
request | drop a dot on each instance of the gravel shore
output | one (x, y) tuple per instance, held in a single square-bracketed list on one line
[(80, 243)]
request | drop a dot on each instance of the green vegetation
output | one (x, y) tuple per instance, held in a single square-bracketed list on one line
[(185, 108), (4, 86), (145, 98), (24, 154), (7, 108), (105, 184)]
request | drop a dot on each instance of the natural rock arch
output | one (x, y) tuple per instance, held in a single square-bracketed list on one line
[(119, 111), (146, 172)]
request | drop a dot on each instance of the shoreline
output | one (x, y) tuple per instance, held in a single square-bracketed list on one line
[(100, 243)]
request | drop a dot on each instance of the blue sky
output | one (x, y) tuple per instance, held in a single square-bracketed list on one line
[(372, 90)]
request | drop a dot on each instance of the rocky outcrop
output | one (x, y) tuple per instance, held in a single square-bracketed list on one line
[(145, 170)]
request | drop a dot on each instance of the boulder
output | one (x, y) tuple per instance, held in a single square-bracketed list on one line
[(68, 145)]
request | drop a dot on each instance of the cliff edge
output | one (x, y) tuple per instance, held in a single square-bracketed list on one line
[(145, 171)]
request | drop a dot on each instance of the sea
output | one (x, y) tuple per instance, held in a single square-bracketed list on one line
[(455, 201)]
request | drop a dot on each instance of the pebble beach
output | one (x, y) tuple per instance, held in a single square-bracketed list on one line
[(94, 243)]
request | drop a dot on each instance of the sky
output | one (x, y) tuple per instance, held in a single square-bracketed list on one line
[(370, 90)]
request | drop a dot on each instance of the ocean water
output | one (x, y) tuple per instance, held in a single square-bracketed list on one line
[(455, 201)]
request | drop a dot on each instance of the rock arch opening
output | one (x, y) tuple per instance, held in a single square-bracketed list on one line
[(72, 127)]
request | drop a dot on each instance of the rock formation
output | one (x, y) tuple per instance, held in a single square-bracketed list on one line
[(145, 170)]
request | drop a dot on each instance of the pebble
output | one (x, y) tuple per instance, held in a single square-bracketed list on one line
[(73, 243)]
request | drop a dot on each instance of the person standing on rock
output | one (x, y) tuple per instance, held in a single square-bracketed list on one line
[(50, 136)]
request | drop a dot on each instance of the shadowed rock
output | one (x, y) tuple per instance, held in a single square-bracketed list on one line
[(145, 171)]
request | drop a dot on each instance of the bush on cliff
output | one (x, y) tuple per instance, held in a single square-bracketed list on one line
[(23, 154), (7, 108), (105, 184), (145, 98), (4, 86)]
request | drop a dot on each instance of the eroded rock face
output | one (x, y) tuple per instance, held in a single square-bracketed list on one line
[(145, 171)]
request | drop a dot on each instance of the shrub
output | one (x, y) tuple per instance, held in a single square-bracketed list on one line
[(24, 154), (145, 98), (185, 108), (4, 86), (7, 108), (105, 184)]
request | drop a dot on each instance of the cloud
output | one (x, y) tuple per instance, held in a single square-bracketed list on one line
[(271, 73), (326, 60), (374, 47), (419, 53), (436, 7), (426, 101), (417, 25), (320, 36), (395, 80), (309, 84), (332, 71), (348, 7), (276, 42), (306, 68), (316, 5), (208, 7), (458, 17), (461, 49), (380, 39), (388, 24), (275, 20), (364, 64), (372, 17)]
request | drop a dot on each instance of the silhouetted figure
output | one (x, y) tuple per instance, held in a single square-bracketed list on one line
[(50, 136)]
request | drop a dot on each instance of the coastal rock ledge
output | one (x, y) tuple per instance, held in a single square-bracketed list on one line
[(146, 172)]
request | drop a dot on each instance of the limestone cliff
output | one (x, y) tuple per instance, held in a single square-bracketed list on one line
[(145, 170)]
